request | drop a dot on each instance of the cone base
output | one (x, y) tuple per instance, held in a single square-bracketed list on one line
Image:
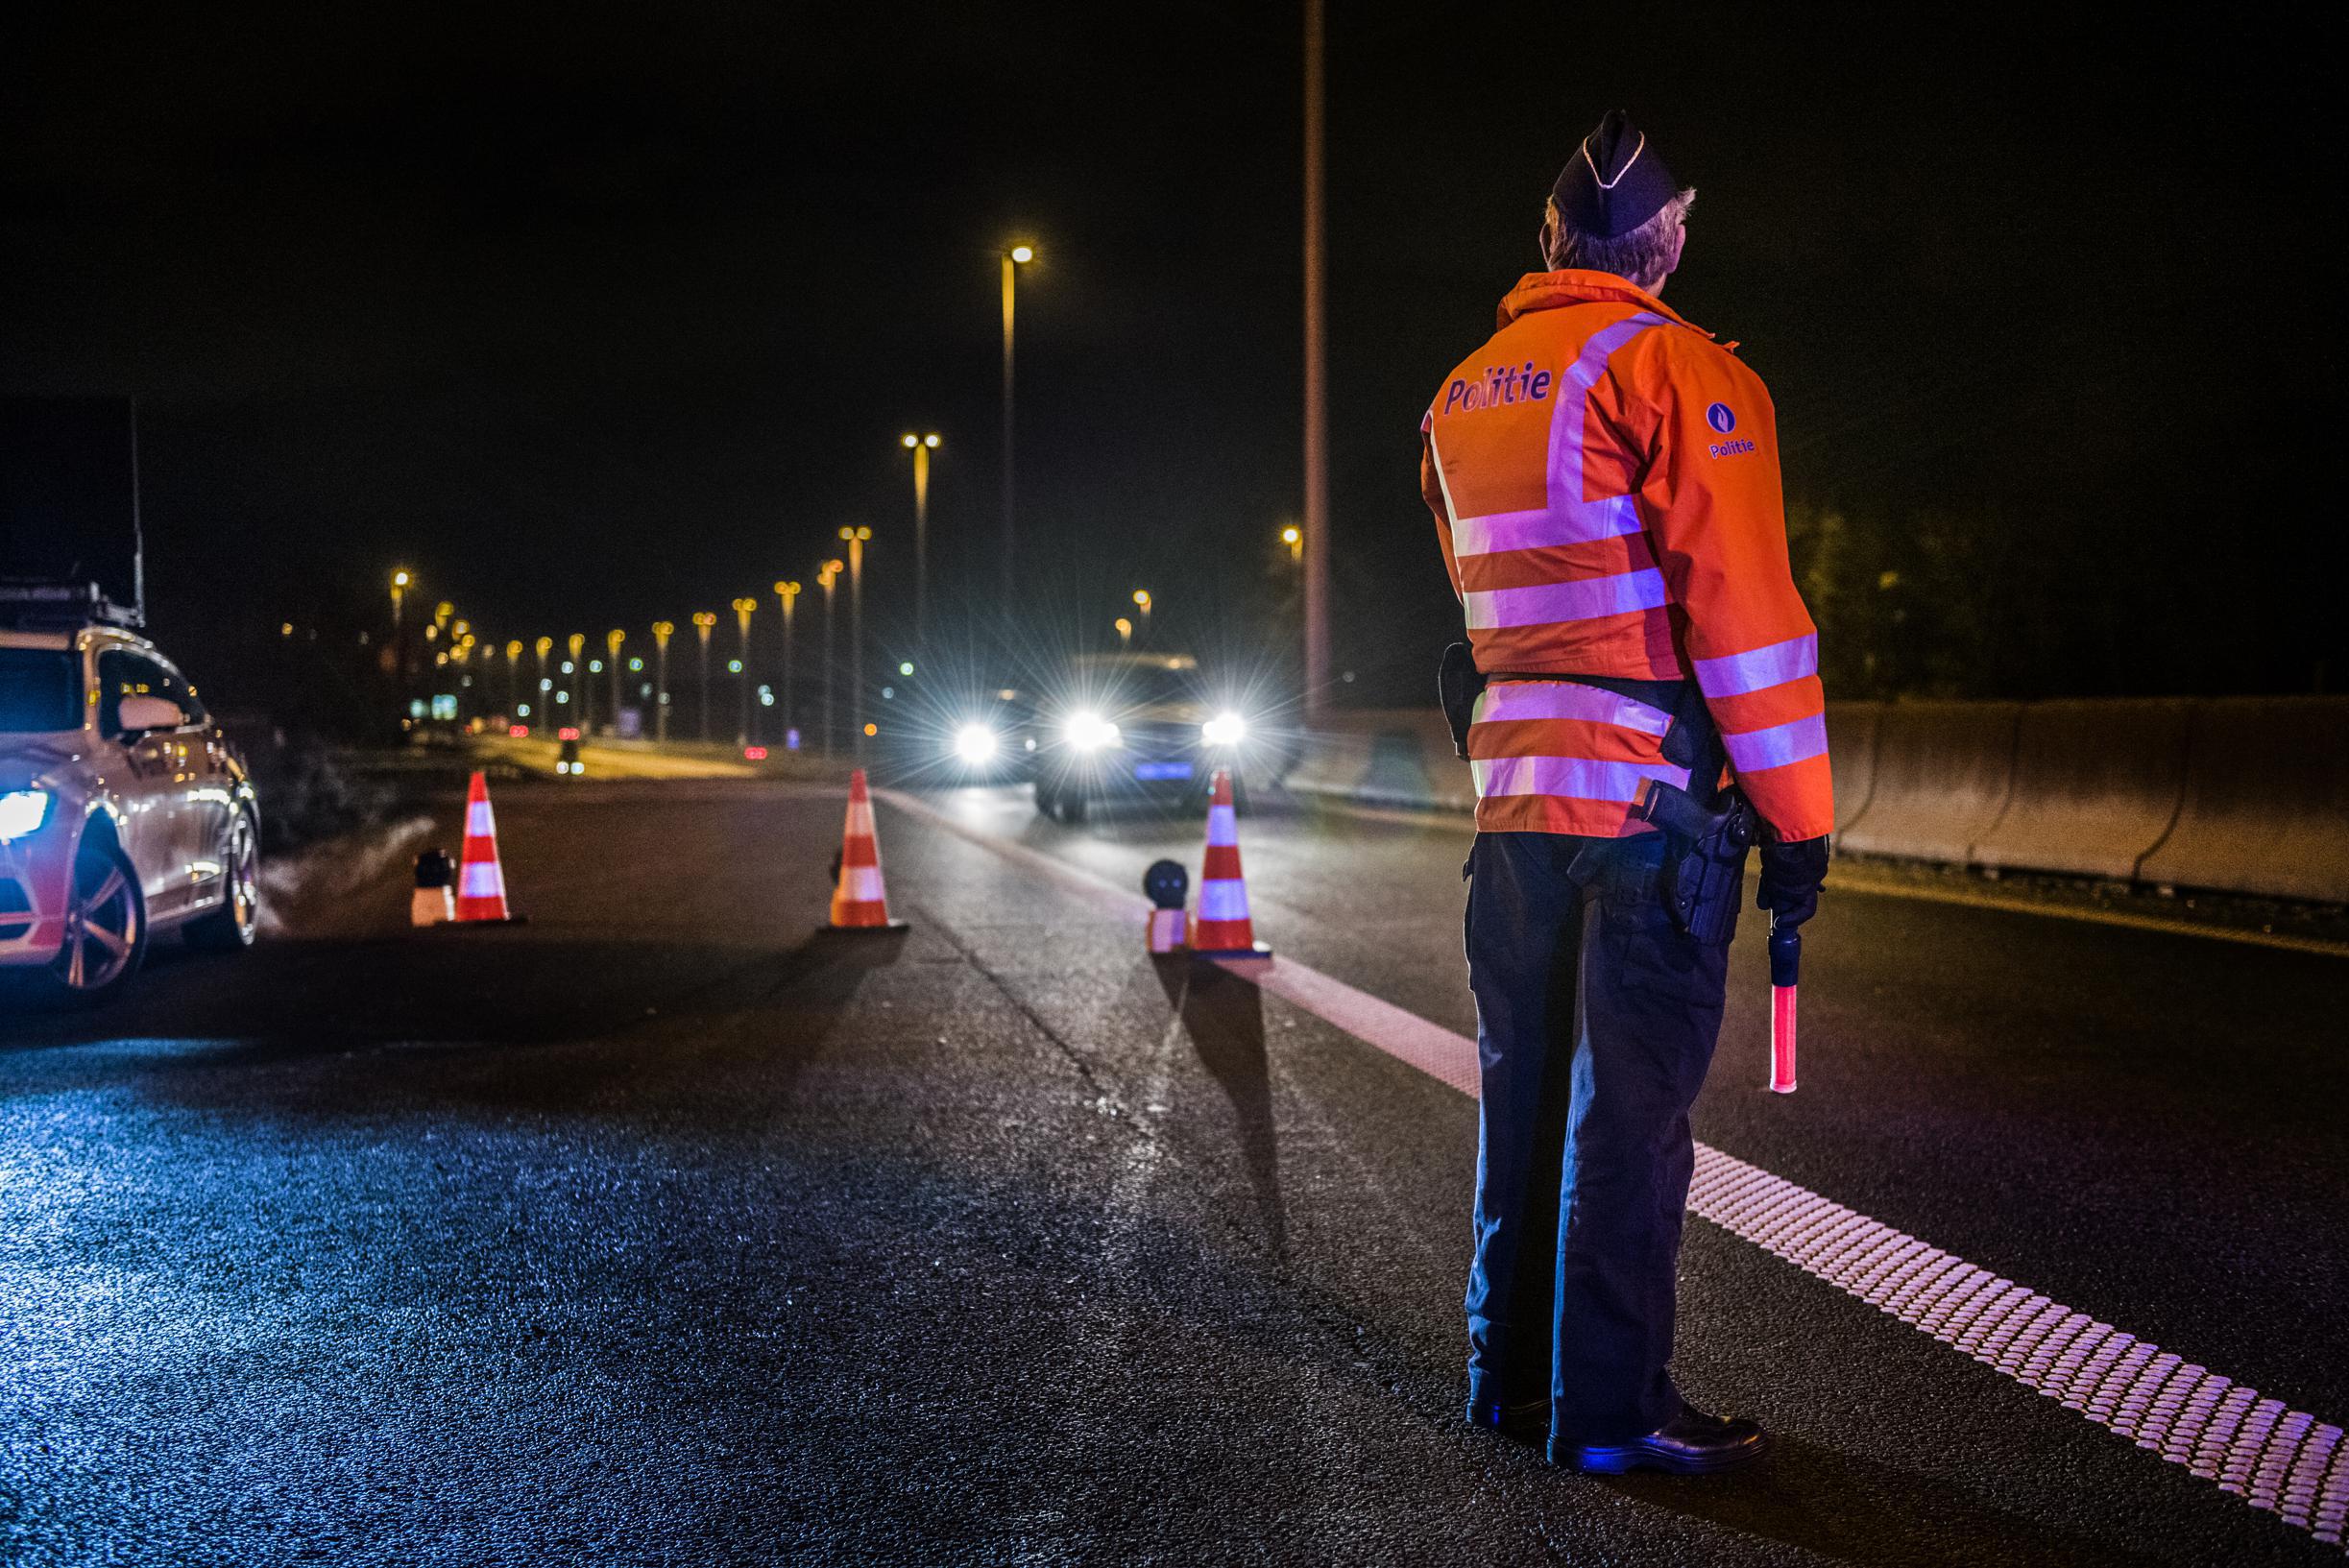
[(881, 929), (1258, 951), (485, 920)]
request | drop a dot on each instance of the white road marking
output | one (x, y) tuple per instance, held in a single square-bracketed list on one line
[(2283, 1461)]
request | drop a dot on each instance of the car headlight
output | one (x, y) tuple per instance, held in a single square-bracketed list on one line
[(1090, 732), (975, 743), (22, 811), (1223, 730)]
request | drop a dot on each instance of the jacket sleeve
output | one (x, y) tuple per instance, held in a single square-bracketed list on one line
[(1431, 491), (1717, 520)]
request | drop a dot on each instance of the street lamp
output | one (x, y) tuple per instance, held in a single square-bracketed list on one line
[(703, 621), (612, 641), (1142, 602), (857, 537), (921, 446), (662, 632), (542, 647), (786, 593), (1293, 537), (1126, 632), (583, 704), (827, 575), (401, 577), (742, 608), (1016, 258), (514, 680)]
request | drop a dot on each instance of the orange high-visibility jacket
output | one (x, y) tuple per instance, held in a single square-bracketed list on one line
[(1605, 480)]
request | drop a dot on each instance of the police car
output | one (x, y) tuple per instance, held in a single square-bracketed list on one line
[(124, 811)]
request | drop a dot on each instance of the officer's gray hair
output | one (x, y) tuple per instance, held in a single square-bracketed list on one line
[(1641, 255)]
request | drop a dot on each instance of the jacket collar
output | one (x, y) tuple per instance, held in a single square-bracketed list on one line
[(1547, 291)]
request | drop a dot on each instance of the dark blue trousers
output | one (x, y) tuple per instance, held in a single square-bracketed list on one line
[(1595, 1021)]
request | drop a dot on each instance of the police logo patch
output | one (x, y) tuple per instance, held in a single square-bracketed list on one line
[(1720, 419)]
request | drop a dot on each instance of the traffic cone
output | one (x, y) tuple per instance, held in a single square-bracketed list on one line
[(859, 902), (481, 881), (1222, 929)]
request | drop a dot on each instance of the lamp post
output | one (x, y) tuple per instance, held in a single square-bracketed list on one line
[(1142, 602), (542, 647), (401, 577), (827, 576), (703, 621), (742, 608), (786, 593), (1125, 632), (1316, 377), (582, 694), (612, 641), (1016, 258), (513, 680), (921, 446), (662, 632), (856, 538)]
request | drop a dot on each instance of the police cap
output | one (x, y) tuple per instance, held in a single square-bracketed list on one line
[(1614, 181)]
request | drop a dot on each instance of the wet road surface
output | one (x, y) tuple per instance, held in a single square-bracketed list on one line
[(661, 1230)]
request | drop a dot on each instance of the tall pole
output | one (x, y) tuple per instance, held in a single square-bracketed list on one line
[(703, 621), (1013, 260), (788, 594), (513, 680), (662, 632), (612, 641), (856, 538), (829, 576), (542, 706), (921, 446), (742, 608), (1317, 385), (582, 694)]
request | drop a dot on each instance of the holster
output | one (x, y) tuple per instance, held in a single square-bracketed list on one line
[(1459, 683), (1706, 830), (1705, 857)]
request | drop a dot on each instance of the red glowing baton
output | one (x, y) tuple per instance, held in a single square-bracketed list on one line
[(1785, 968)]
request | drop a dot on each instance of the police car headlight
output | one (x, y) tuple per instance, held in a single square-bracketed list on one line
[(1090, 732), (1223, 730), (22, 811), (975, 743)]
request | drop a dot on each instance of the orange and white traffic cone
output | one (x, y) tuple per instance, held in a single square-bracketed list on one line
[(1222, 929), (859, 902), (481, 881)]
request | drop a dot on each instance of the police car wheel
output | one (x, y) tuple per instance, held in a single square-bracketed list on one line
[(233, 927)]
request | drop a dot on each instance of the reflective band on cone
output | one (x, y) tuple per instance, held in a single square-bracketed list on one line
[(481, 881), (859, 902), (1220, 929)]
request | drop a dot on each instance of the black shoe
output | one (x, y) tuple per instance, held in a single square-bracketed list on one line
[(1692, 1443), (1526, 1420)]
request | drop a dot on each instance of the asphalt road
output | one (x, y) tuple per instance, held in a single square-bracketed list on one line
[(661, 1230)]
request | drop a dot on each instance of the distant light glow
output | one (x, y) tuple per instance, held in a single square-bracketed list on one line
[(754, 753), (905, 668), (733, 666), (517, 732), (871, 730)]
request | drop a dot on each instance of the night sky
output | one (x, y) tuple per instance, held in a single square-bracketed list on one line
[(596, 315)]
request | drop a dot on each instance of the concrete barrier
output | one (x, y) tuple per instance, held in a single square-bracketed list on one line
[(1942, 774), (1385, 756), (2267, 800), (1851, 729), (2098, 784)]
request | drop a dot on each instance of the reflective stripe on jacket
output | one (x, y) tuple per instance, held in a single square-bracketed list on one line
[(1605, 481)]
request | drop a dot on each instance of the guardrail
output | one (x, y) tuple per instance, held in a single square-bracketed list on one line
[(2228, 794)]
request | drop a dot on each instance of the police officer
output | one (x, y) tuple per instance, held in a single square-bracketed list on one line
[(1638, 696)]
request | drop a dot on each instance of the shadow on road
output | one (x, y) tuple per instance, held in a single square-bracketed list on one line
[(1854, 1510), (521, 1017), (1223, 1017)]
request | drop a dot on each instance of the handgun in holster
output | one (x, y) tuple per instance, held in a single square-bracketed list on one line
[(1705, 857)]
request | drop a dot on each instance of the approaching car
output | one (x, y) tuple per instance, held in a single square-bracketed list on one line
[(123, 810), (1148, 728), (988, 738)]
